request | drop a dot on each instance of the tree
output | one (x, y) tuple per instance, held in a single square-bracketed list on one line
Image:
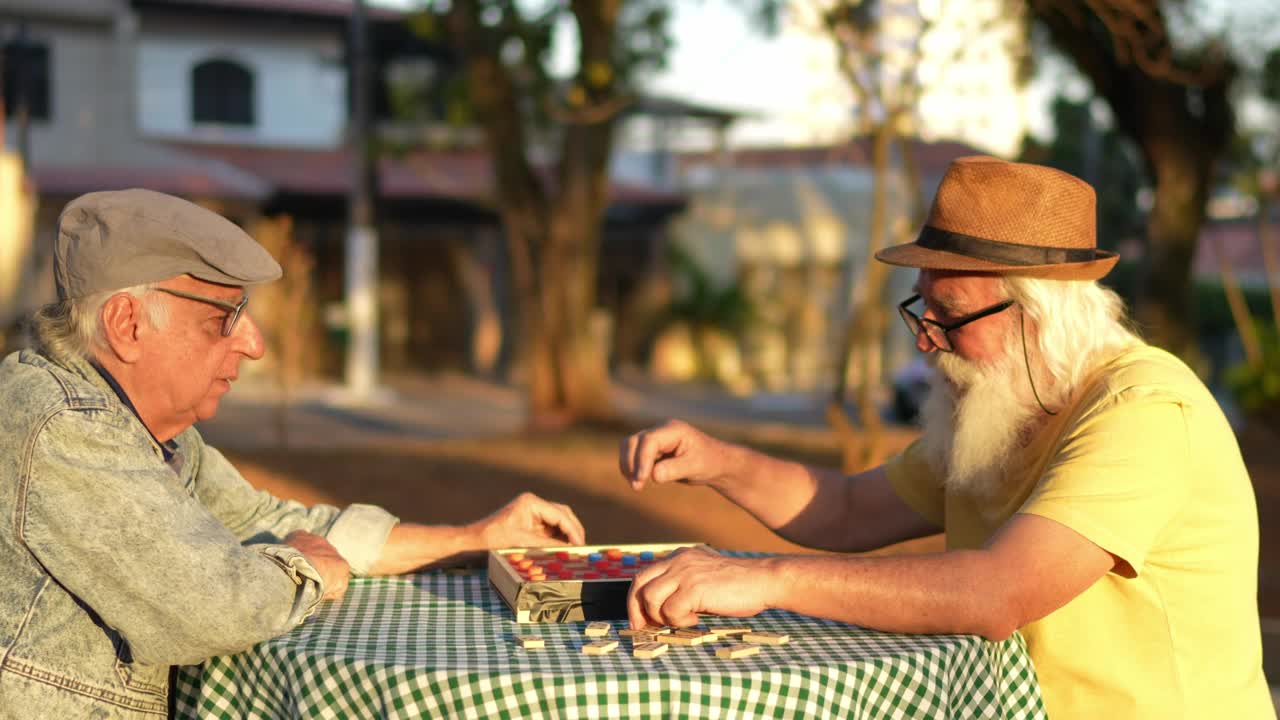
[(877, 45), (552, 212), (1256, 163), (880, 50), (1176, 106), (1086, 148)]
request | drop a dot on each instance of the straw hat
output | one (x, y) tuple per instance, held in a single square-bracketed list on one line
[(991, 215)]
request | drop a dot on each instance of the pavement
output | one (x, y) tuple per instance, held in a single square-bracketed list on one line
[(446, 406)]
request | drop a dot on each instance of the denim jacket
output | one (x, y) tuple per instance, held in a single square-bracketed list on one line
[(120, 557)]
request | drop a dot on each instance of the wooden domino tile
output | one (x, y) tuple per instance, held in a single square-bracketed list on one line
[(734, 652), (647, 630), (600, 647), (730, 631), (530, 642), (766, 638), (597, 629), (688, 636), (697, 636), (673, 639), (649, 650)]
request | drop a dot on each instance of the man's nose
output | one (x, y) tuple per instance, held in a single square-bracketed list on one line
[(923, 343), (248, 338)]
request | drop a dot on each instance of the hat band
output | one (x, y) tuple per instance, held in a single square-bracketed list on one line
[(1004, 253)]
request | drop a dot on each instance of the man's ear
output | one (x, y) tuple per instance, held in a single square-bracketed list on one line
[(122, 324)]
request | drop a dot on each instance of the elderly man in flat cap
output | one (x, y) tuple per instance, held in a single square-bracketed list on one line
[(128, 545), (1091, 491)]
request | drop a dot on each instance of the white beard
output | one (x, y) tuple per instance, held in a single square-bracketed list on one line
[(975, 420)]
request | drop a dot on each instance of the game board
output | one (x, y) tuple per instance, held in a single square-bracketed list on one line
[(571, 584)]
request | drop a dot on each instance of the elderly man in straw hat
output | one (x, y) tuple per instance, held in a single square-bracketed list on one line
[(129, 545), (1091, 491)]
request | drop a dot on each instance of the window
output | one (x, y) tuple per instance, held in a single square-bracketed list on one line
[(26, 75), (222, 93)]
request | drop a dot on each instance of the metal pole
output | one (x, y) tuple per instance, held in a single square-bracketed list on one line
[(362, 234), (19, 54)]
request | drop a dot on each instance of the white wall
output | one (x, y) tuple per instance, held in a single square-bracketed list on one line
[(299, 84)]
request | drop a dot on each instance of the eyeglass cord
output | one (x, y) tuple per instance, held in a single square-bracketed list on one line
[(1022, 327)]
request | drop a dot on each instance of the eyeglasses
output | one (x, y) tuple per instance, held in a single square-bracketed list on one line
[(936, 331), (233, 309)]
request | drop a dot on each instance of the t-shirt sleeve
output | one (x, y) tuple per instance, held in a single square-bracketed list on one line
[(914, 481), (1120, 476)]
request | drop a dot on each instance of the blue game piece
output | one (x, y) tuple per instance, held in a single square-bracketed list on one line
[(628, 560), (646, 555), (595, 557)]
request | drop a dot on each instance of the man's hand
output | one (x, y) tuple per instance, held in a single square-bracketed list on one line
[(530, 521), (333, 568), (675, 451), (697, 581)]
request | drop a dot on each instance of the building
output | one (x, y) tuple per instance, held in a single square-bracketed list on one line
[(242, 105), (791, 227)]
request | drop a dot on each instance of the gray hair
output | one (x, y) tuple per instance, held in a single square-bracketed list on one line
[(1081, 326), (72, 328)]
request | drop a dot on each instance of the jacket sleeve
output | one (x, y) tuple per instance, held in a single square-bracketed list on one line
[(357, 532), (114, 526)]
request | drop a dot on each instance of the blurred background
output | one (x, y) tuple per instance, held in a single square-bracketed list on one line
[(514, 230)]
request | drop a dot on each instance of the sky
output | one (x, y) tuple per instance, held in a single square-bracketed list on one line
[(791, 85)]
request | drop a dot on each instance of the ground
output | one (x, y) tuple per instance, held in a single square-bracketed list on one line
[(446, 481)]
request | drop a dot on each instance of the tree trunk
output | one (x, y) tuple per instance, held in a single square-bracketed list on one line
[(553, 236), (864, 332), (1180, 129), (1182, 172), (1269, 260)]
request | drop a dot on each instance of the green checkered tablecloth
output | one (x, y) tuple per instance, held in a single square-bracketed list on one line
[(440, 645)]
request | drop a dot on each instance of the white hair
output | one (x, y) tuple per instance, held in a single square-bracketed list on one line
[(1080, 325), (978, 415), (73, 328)]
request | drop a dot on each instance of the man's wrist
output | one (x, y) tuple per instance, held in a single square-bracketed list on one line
[(777, 580), (735, 464), (474, 536)]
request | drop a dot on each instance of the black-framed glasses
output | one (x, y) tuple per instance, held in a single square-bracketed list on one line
[(233, 309), (936, 331)]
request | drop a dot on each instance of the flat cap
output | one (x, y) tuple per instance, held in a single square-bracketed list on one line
[(121, 238)]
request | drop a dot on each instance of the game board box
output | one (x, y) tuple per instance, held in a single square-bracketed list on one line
[(563, 584)]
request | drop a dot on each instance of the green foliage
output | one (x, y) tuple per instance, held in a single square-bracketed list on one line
[(1101, 156), (1213, 313), (1270, 78), (1257, 389), (523, 36), (699, 303)]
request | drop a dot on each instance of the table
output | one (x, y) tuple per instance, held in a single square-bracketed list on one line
[(440, 644)]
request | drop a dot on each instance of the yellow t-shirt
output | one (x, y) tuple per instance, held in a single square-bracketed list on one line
[(1145, 466)]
